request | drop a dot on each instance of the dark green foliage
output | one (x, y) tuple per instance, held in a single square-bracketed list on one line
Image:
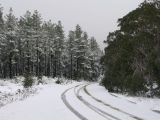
[(28, 81), (58, 82), (132, 59)]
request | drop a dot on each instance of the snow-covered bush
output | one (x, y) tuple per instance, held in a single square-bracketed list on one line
[(28, 81)]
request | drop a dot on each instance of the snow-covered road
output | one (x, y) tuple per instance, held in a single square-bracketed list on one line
[(85, 106), (47, 105), (77, 101), (122, 107)]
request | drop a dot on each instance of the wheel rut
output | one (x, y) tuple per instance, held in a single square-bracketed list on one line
[(108, 105)]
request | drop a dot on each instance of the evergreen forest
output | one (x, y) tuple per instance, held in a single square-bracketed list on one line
[(30, 46), (132, 56)]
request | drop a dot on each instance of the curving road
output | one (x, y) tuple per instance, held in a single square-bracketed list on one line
[(80, 92), (110, 106), (63, 97)]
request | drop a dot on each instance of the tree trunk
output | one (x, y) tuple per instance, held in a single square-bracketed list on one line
[(71, 67), (10, 66)]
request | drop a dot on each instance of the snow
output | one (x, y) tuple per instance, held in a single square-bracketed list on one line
[(10, 91), (83, 109), (47, 103), (138, 106), (108, 110), (8, 87)]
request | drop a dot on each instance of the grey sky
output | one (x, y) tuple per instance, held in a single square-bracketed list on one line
[(97, 17)]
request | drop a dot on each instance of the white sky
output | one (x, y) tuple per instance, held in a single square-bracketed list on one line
[(97, 17)]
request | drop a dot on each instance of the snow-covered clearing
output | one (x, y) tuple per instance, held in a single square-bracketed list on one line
[(74, 101)]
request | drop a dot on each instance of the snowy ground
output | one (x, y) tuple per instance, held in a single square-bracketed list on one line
[(79, 100), (136, 106), (10, 91)]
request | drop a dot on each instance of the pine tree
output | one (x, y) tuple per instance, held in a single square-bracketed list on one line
[(84, 48), (78, 36), (25, 44), (11, 29), (2, 38), (71, 53), (36, 24), (94, 57), (59, 49), (49, 29)]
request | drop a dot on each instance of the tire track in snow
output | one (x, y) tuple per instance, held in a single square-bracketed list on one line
[(63, 97), (121, 98), (156, 111), (94, 108), (108, 105)]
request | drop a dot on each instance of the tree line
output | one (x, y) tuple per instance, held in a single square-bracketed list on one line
[(132, 56), (29, 45)]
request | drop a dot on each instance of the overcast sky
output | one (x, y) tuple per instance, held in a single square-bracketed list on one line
[(97, 17)]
